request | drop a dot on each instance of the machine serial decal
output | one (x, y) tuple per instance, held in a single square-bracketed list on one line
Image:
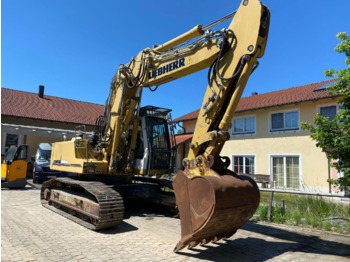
[(64, 163), (167, 68)]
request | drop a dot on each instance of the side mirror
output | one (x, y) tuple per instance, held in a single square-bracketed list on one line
[(32, 158)]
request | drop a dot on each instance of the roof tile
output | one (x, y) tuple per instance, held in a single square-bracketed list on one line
[(277, 98), (29, 105), (182, 138)]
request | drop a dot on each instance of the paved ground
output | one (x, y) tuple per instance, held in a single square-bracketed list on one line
[(30, 232)]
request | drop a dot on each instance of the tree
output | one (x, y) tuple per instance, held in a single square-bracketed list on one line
[(179, 132), (333, 136)]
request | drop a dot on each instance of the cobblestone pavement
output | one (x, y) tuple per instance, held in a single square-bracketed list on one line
[(30, 232)]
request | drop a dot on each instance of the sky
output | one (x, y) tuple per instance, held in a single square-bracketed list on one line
[(74, 47)]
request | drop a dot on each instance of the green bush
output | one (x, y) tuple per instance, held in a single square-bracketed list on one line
[(263, 212), (307, 210), (327, 225), (277, 216), (347, 227)]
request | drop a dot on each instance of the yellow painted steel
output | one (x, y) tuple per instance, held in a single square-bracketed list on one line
[(245, 25), (16, 170), (194, 32), (70, 156), (4, 171)]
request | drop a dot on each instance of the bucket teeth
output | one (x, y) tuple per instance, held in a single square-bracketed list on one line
[(179, 246), (193, 244), (215, 239), (203, 242)]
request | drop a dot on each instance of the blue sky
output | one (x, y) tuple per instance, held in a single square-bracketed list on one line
[(74, 47)]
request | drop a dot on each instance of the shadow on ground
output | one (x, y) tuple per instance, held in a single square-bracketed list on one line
[(257, 249), (28, 186), (139, 209), (148, 209), (122, 228)]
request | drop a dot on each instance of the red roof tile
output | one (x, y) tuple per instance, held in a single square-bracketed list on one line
[(190, 116), (182, 138), (277, 98), (29, 105)]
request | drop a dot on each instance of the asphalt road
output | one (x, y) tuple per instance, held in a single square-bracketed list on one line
[(30, 232)]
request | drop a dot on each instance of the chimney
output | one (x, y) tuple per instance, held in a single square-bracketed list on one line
[(254, 93), (41, 91)]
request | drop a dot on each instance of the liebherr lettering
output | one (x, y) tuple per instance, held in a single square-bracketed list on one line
[(167, 68)]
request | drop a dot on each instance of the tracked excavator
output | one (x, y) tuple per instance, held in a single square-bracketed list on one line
[(133, 145)]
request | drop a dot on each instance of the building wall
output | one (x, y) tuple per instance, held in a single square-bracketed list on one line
[(189, 126), (182, 152), (313, 165), (182, 149), (264, 144), (31, 139)]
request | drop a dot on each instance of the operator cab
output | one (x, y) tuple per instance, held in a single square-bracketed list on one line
[(155, 146)]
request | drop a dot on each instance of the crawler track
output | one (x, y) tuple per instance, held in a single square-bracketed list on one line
[(108, 206)]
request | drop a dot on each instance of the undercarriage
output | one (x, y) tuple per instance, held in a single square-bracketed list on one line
[(98, 205)]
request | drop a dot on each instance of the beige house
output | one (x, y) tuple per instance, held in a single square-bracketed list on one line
[(29, 118), (266, 137)]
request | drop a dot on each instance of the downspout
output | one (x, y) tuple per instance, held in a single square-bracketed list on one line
[(329, 173), (183, 154)]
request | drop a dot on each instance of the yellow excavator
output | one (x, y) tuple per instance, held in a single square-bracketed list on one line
[(133, 146)]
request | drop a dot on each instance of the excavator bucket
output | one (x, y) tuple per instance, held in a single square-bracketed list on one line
[(213, 207)]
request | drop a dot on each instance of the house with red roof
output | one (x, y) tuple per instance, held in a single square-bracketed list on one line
[(266, 137), (33, 118)]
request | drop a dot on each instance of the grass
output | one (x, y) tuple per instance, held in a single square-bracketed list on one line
[(306, 210)]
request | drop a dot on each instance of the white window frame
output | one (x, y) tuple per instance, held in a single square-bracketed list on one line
[(242, 155), (318, 107), (284, 168), (243, 133), (284, 130)]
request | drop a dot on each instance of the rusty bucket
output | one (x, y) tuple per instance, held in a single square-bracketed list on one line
[(213, 207)]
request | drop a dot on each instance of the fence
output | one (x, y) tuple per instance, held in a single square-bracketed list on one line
[(272, 191)]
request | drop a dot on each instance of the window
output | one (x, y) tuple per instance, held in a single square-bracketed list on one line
[(10, 154), (284, 121), (158, 142), (243, 125), (15, 153), (43, 155), (243, 164), (330, 111), (139, 150), (286, 171)]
